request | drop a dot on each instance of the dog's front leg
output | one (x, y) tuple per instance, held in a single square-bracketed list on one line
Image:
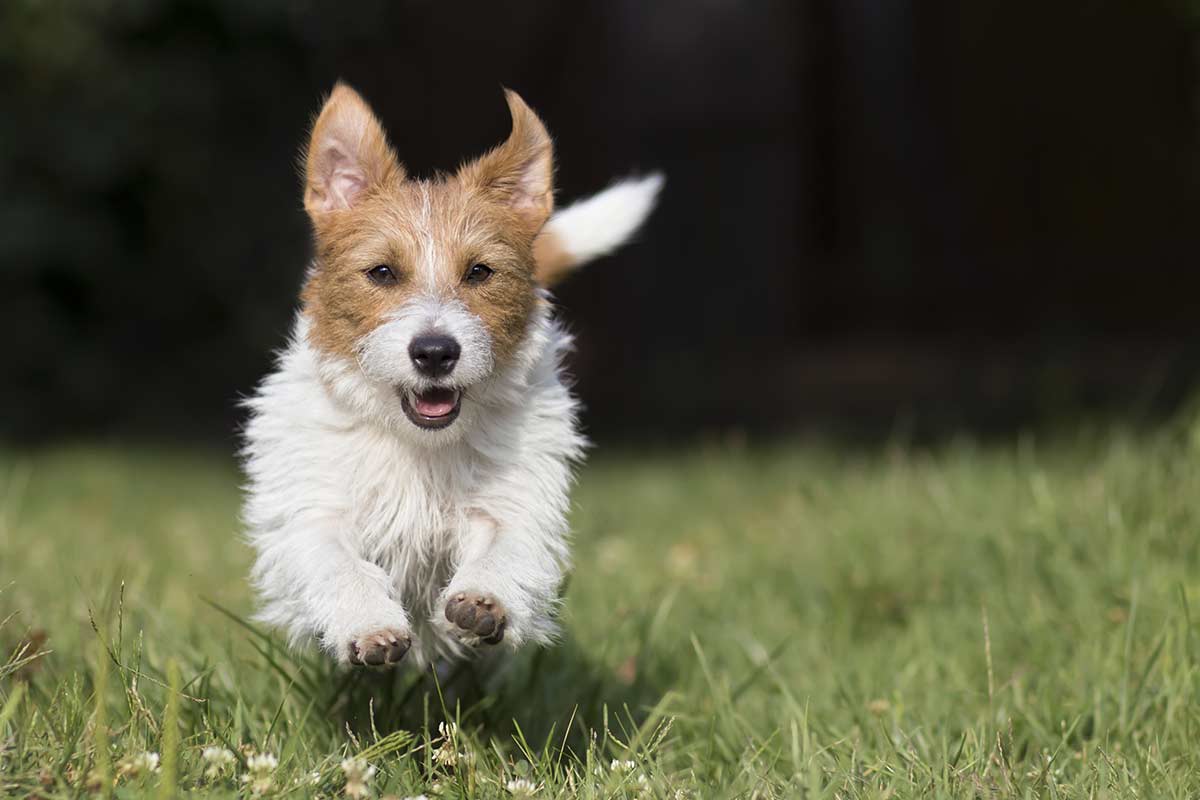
[(315, 583), (505, 587)]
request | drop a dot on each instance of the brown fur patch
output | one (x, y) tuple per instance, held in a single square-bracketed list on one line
[(428, 233)]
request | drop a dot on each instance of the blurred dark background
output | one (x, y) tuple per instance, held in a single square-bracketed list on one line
[(929, 214)]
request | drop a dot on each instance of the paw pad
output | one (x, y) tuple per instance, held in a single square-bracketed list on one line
[(380, 648), (477, 614)]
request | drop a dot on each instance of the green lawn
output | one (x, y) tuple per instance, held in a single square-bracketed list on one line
[(803, 620)]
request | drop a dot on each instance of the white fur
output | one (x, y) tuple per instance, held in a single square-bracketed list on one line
[(360, 524), (600, 224), (363, 522), (383, 355)]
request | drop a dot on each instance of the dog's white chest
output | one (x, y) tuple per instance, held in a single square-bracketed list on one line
[(407, 512), (344, 505)]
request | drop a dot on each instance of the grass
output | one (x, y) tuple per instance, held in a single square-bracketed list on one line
[(1012, 619)]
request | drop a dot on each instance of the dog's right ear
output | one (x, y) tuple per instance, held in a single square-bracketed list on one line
[(348, 156)]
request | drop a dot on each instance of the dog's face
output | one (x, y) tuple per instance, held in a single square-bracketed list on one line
[(424, 287)]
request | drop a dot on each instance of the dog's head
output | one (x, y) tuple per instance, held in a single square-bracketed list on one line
[(422, 290)]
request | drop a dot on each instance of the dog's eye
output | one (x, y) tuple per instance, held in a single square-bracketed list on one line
[(381, 275), (478, 273)]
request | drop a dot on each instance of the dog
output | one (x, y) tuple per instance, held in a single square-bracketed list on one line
[(409, 459)]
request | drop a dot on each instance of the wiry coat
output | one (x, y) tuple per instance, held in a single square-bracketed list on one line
[(366, 525)]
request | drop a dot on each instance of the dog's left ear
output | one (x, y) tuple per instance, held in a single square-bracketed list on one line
[(520, 172)]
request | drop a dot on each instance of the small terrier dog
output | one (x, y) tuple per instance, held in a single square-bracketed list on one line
[(409, 459)]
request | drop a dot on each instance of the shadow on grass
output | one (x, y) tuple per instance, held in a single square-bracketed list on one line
[(562, 693)]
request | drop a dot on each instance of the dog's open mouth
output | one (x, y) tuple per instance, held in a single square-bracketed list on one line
[(433, 408)]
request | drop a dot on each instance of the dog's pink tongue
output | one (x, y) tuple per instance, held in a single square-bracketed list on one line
[(435, 402)]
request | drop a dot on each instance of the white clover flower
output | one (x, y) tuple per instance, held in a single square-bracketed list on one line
[(216, 754), (311, 779), (217, 759), (417, 797), (262, 762), (446, 755), (260, 772), (141, 764), (358, 774), (622, 766), (519, 787)]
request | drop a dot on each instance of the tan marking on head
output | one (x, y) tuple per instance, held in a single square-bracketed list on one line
[(428, 233), (341, 300)]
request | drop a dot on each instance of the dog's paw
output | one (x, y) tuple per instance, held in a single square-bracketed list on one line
[(478, 618), (381, 648)]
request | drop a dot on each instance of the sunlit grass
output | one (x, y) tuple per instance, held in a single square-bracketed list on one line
[(1009, 620)]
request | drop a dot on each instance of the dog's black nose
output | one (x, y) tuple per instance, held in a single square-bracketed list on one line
[(434, 354)]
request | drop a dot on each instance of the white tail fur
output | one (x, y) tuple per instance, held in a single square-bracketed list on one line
[(594, 226)]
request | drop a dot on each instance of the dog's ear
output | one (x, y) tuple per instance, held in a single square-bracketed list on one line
[(520, 172), (348, 155)]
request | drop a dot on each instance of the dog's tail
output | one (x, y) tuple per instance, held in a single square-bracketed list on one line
[(593, 227)]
